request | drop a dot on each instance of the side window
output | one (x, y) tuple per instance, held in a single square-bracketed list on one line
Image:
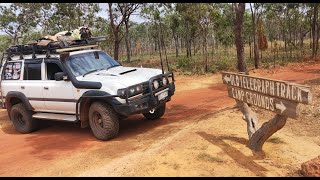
[(32, 71), (12, 71), (52, 69)]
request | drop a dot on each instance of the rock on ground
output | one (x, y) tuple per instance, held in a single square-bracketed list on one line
[(311, 168)]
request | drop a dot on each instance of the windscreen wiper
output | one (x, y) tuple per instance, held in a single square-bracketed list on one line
[(94, 70), (113, 66)]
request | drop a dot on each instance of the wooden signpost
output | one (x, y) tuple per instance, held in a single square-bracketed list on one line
[(281, 97)]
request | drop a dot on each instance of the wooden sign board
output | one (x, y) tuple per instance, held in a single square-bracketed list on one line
[(277, 96)]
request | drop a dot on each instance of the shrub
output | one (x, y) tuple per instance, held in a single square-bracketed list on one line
[(222, 65)]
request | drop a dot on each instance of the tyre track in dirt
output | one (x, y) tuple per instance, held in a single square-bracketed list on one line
[(64, 149)]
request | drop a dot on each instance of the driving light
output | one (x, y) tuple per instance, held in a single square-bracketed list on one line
[(155, 84), (132, 91), (138, 89), (164, 81)]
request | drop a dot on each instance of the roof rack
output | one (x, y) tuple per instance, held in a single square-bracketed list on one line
[(53, 47)]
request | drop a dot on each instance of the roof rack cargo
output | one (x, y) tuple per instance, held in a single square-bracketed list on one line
[(53, 47)]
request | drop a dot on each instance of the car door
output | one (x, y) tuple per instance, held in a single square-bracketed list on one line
[(58, 95), (32, 84)]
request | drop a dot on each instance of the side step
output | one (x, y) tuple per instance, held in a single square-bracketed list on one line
[(53, 116)]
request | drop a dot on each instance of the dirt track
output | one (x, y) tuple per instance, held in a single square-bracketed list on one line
[(180, 144)]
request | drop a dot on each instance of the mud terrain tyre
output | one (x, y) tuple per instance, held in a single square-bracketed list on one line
[(158, 113), (22, 119), (103, 120)]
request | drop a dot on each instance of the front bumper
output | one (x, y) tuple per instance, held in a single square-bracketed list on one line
[(146, 102)]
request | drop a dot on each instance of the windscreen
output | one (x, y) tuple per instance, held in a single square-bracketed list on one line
[(83, 63)]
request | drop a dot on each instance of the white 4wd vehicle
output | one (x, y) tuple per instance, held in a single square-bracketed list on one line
[(80, 84)]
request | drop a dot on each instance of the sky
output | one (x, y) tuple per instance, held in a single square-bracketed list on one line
[(134, 17), (103, 13)]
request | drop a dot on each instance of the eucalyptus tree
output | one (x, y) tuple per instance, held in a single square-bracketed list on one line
[(315, 30), (153, 13), (175, 22), (224, 30), (126, 10), (5, 41), (188, 12), (18, 18), (69, 16)]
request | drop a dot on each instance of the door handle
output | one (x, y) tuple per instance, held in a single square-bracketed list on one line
[(46, 88), (22, 87)]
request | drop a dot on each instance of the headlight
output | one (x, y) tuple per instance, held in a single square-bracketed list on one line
[(121, 93), (155, 84), (164, 81)]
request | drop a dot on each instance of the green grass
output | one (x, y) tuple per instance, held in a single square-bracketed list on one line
[(222, 59)]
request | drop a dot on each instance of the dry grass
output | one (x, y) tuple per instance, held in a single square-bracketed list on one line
[(275, 140), (209, 158)]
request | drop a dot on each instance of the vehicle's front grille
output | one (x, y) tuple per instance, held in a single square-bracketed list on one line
[(145, 88)]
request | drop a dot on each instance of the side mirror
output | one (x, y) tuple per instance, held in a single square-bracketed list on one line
[(60, 76)]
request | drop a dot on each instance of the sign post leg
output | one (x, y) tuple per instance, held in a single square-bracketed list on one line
[(257, 137), (267, 130), (250, 118)]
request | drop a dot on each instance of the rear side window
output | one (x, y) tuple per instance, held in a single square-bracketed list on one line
[(12, 71), (32, 71)]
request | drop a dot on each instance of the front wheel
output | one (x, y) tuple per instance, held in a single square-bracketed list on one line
[(104, 121), (155, 113)]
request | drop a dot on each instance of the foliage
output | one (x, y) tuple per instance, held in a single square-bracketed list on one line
[(197, 37), (5, 42)]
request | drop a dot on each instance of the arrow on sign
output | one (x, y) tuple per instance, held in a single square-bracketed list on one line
[(226, 79), (281, 107)]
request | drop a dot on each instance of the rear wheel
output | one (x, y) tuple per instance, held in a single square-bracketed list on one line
[(104, 121), (155, 113), (22, 119)]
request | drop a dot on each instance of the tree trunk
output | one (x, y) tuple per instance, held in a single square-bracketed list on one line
[(116, 47), (301, 37), (206, 53), (176, 43), (255, 45), (250, 48), (159, 43), (164, 45), (15, 39), (290, 34), (317, 42), (181, 45), (205, 50), (194, 46), (315, 30), (310, 36), (127, 39), (238, 27)]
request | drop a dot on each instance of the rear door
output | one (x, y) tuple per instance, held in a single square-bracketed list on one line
[(32, 84)]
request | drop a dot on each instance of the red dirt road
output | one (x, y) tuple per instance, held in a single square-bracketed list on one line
[(63, 149)]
